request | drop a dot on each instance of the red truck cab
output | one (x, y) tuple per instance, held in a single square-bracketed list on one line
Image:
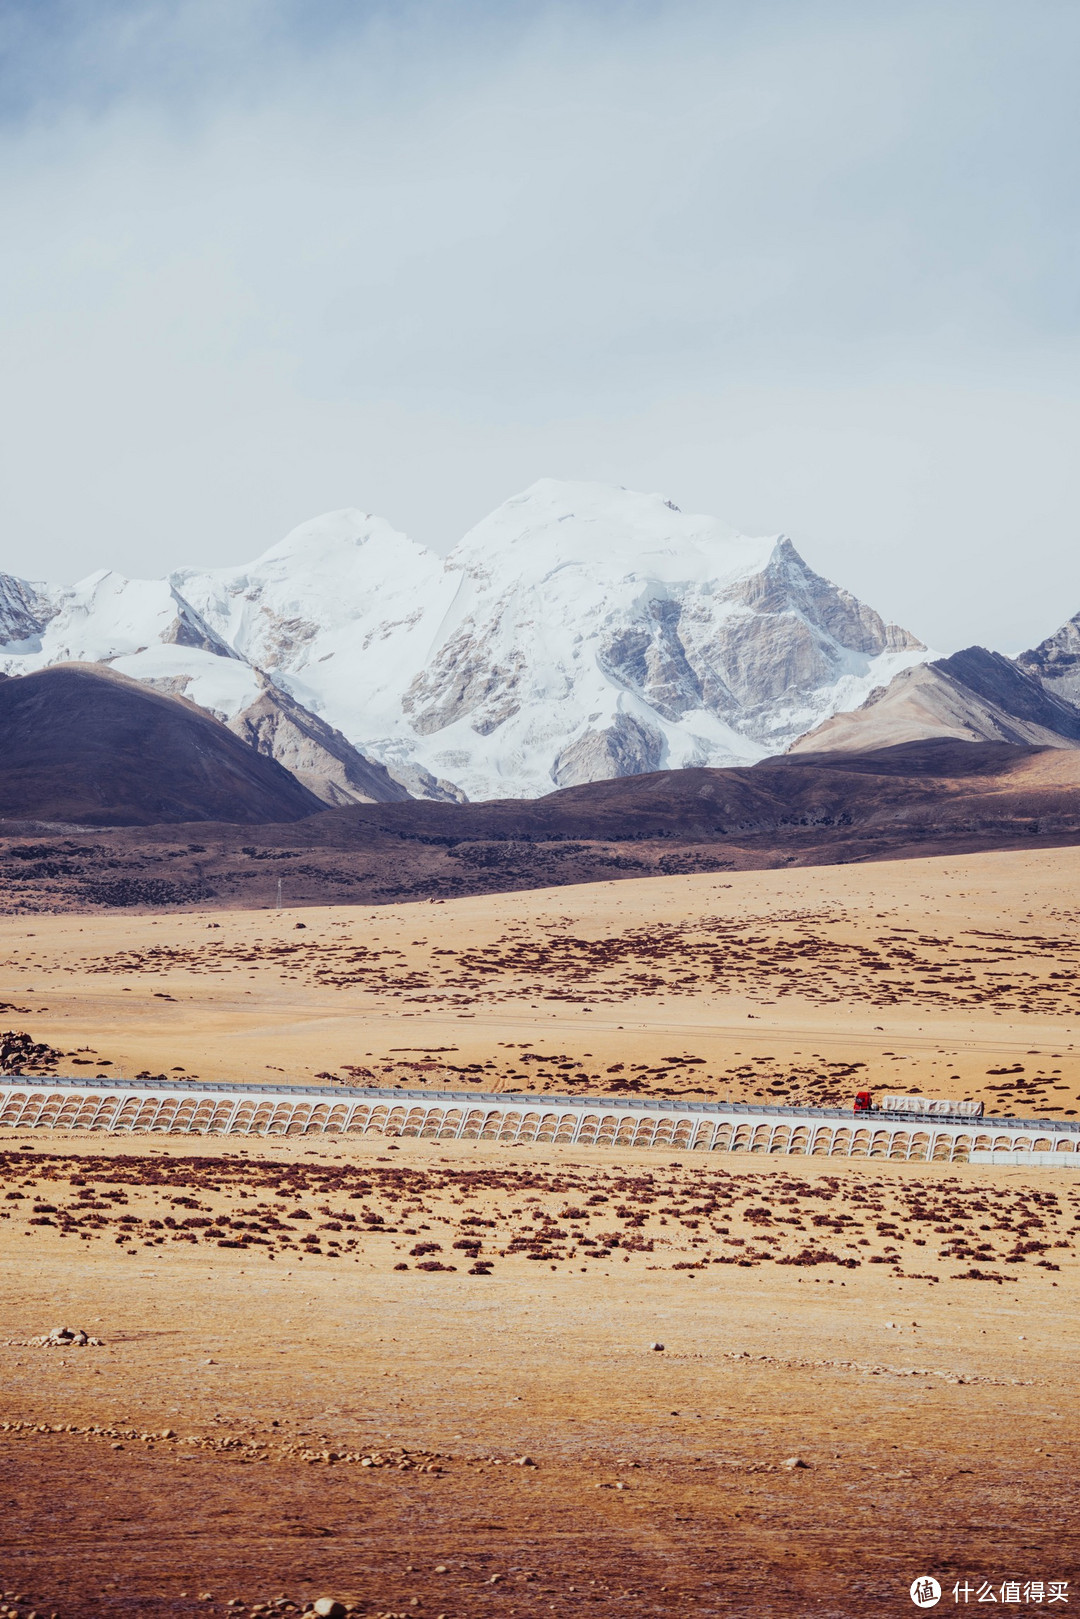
[(863, 1102)]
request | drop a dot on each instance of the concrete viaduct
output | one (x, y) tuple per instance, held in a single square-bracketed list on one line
[(187, 1107)]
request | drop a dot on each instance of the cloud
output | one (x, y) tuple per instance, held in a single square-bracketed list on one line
[(809, 266)]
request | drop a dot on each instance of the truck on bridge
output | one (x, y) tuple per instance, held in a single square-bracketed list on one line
[(920, 1107)]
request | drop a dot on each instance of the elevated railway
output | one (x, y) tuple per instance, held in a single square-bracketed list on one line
[(197, 1108)]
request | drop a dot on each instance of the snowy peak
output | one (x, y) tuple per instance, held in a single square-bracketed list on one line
[(599, 632), (333, 588), (356, 552), (605, 531), (579, 632)]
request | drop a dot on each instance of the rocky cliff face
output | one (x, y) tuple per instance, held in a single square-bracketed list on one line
[(318, 756), (579, 632), (1055, 662), (25, 609)]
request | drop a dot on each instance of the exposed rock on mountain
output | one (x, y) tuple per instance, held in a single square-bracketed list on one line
[(974, 696), (320, 757), (24, 611), (578, 632), (83, 744), (1055, 662), (626, 748)]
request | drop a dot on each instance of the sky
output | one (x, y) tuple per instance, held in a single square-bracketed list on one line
[(810, 267)]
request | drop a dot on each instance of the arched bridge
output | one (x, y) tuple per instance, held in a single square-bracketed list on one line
[(196, 1108)]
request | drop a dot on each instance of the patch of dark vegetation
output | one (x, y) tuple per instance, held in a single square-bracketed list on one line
[(125, 891)]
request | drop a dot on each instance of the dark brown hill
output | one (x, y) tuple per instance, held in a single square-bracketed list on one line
[(822, 791), (80, 743), (937, 797)]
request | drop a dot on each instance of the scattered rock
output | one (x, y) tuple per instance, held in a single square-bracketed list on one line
[(656, 1346), (795, 1461), (329, 1608), (66, 1338)]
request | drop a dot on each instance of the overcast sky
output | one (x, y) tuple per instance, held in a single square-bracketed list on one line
[(810, 267)]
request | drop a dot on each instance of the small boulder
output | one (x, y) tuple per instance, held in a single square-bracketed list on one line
[(66, 1335), (793, 1462), (329, 1608), (65, 1338), (656, 1346)]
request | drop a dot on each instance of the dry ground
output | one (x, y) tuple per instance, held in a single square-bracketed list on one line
[(954, 977), (339, 1424)]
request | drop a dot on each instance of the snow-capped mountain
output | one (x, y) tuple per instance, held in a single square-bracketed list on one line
[(579, 632), (144, 629)]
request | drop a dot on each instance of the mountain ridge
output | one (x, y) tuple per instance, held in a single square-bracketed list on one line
[(578, 632), (973, 696)]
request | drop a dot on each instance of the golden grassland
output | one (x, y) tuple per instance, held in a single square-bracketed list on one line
[(418, 1376), (790, 986)]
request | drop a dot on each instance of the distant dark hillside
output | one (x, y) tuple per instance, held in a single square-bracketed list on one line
[(82, 744), (810, 794), (925, 798)]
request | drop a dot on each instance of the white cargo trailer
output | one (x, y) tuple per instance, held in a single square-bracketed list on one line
[(922, 1107)]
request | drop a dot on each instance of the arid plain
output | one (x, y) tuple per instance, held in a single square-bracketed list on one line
[(417, 1376)]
